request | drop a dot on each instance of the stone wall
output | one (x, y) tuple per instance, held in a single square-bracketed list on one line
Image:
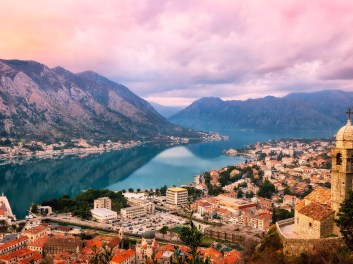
[(296, 246), (309, 228)]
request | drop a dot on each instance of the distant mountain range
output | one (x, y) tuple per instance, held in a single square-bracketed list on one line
[(323, 110), (166, 111), (37, 102)]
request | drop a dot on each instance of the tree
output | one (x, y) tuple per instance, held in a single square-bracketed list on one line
[(266, 189), (34, 208), (164, 230), (240, 194), (191, 236), (131, 190), (345, 220), (249, 194), (3, 226), (279, 214), (287, 191), (138, 190), (163, 190), (103, 256)]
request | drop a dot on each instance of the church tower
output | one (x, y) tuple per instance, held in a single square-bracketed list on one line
[(342, 165)]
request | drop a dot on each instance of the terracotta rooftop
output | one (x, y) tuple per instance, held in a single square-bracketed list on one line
[(94, 243), (35, 230), (232, 257), (13, 242), (123, 255), (212, 253), (35, 257), (63, 241), (17, 254), (316, 211), (320, 195), (39, 242)]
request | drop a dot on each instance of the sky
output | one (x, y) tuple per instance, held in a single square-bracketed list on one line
[(175, 52)]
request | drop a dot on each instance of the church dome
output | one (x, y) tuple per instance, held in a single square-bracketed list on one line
[(344, 136), (149, 235)]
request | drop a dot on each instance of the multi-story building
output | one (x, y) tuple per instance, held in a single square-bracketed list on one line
[(23, 255), (103, 202), (103, 215), (38, 245), (234, 233), (255, 220), (177, 197), (138, 211), (36, 232), (14, 245), (290, 200), (58, 244)]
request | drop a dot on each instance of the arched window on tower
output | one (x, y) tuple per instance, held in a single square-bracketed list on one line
[(339, 159)]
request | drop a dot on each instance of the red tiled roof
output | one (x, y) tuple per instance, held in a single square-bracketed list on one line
[(212, 253), (35, 257), (39, 242), (94, 243), (35, 230), (114, 242), (17, 254), (232, 257), (123, 255), (316, 211), (13, 242), (320, 195)]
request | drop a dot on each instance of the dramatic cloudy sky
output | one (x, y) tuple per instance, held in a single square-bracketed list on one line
[(174, 52)]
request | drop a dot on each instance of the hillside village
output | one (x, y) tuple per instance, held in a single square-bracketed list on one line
[(233, 205)]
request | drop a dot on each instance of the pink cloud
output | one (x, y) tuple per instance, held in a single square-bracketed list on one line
[(189, 49)]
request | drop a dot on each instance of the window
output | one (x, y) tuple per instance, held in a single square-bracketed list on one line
[(310, 224), (298, 220), (338, 159)]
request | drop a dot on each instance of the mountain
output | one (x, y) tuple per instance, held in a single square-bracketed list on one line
[(323, 110), (37, 102), (166, 111)]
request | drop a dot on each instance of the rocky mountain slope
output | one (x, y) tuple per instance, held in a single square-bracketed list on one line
[(42, 103), (166, 111), (305, 111)]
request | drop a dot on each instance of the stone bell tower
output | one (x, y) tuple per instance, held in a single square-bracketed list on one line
[(342, 165)]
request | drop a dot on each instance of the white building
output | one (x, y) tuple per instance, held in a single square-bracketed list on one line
[(138, 211), (177, 197), (103, 202), (103, 215)]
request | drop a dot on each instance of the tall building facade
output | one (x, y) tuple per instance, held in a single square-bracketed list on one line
[(315, 214), (342, 166), (177, 197), (103, 202)]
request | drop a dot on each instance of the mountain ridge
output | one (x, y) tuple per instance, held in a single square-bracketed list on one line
[(37, 102), (305, 111)]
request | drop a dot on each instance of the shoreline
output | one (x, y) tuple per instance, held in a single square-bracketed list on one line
[(26, 155)]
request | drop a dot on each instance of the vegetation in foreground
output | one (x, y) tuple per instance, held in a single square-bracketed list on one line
[(80, 205), (270, 251)]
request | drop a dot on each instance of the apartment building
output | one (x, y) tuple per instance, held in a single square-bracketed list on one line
[(177, 197)]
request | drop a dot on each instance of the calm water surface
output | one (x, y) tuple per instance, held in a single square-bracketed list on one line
[(141, 167)]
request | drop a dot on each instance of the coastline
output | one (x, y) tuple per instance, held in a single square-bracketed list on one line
[(18, 154)]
